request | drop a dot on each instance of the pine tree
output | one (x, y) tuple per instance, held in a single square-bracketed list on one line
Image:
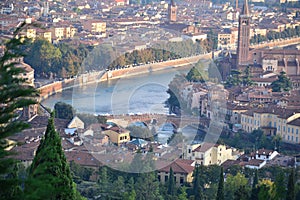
[(220, 194), (171, 183), (49, 173), (254, 192), (291, 186), (14, 95)]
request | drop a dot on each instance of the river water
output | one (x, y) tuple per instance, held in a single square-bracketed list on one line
[(145, 93)]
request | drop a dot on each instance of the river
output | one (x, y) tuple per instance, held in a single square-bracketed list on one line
[(145, 93)]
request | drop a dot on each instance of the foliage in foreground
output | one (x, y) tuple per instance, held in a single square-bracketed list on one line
[(14, 96), (49, 174)]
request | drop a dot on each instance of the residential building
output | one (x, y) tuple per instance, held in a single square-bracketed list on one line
[(182, 169), (265, 154), (210, 154), (94, 26), (76, 122), (117, 135), (28, 73), (274, 121), (226, 40), (45, 34), (60, 32)]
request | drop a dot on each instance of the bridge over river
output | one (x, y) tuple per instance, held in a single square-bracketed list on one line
[(159, 119)]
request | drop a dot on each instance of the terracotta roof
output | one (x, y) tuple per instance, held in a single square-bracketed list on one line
[(204, 147), (264, 152), (82, 158), (25, 152), (179, 166), (229, 163), (283, 113), (254, 162)]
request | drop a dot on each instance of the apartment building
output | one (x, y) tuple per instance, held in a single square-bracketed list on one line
[(94, 26), (280, 121), (62, 32), (211, 154)]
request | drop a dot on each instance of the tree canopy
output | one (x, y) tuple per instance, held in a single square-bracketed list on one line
[(63, 110), (283, 83)]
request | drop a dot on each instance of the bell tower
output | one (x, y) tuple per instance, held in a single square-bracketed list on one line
[(243, 36), (172, 11)]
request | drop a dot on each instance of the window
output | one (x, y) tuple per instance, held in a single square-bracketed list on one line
[(297, 131), (166, 178), (292, 130), (288, 129), (159, 178), (284, 128), (181, 180)]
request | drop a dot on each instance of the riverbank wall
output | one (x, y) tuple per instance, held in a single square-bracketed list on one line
[(148, 68), (94, 77)]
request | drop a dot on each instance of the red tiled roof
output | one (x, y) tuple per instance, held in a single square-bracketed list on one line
[(179, 166), (204, 147), (254, 162)]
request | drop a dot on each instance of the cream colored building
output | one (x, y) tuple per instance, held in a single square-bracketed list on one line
[(95, 26), (76, 122), (63, 32), (274, 121), (225, 40), (182, 169), (31, 33), (117, 135), (210, 154), (45, 34), (28, 73)]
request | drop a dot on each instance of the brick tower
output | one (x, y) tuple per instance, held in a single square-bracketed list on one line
[(243, 36), (172, 11)]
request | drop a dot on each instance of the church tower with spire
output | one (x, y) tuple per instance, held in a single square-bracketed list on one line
[(243, 36), (172, 11)]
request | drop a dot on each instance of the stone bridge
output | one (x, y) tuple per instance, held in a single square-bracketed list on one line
[(158, 120)]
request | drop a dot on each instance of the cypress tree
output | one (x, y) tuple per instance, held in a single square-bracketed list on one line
[(255, 189), (197, 189), (220, 194), (280, 186), (291, 186), (49, 174), (171, 183)]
